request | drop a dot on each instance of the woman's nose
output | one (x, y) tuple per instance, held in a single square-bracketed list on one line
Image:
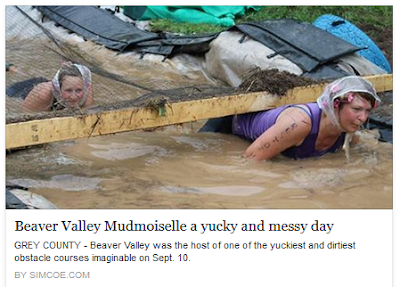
[(363, 116), (75, 94)]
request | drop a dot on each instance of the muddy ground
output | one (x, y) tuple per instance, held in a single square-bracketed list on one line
[(383, 38)]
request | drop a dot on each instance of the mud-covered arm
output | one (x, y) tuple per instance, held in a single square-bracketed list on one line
[(40, 98), (291, 128)]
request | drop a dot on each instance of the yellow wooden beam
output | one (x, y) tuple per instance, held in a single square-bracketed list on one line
[(107, 122)]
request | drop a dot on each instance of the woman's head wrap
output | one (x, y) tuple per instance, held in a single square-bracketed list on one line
[(86, 78), (339, 88)]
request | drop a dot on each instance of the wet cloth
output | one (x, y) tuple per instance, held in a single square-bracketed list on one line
[(251, 126)]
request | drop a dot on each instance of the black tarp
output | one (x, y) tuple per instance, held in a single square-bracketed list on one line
[(98, 25), (103, 27), (300, 42)]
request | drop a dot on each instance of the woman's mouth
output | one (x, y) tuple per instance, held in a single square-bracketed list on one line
[(72, 103)]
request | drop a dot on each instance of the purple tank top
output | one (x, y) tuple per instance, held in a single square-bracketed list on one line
[(251, 126)]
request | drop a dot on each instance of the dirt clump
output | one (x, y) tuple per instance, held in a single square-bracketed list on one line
[(273, 81)]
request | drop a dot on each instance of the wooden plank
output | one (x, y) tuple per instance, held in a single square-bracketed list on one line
[(107, 122)]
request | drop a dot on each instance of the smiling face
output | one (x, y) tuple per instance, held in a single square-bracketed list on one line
[(352, 115), (72, 91)]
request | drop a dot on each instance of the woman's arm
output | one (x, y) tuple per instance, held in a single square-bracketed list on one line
[(290, 129), (40, 98)]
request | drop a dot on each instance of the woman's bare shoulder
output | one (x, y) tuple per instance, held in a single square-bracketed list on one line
[(45, 86)]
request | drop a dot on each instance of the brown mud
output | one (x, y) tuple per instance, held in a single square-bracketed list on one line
[(273, 81)]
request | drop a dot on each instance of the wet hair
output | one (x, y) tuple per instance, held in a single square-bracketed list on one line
[(369, 98), (68, 70)]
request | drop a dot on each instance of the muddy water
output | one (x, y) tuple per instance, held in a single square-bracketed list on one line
[(179, 168)]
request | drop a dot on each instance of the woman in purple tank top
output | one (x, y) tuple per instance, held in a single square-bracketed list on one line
[(311, 129)]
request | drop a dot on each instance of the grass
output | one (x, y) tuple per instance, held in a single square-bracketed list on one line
[(378, 16)]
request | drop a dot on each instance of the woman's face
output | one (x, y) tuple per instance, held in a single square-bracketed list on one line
[(72, 91), (353, 115)]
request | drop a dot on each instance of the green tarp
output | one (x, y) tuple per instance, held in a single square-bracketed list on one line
[(217, 15)]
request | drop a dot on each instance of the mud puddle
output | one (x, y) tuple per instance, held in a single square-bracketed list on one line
[(179, 168)]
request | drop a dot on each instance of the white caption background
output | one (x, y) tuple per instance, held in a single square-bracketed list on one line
[(214, 257)]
